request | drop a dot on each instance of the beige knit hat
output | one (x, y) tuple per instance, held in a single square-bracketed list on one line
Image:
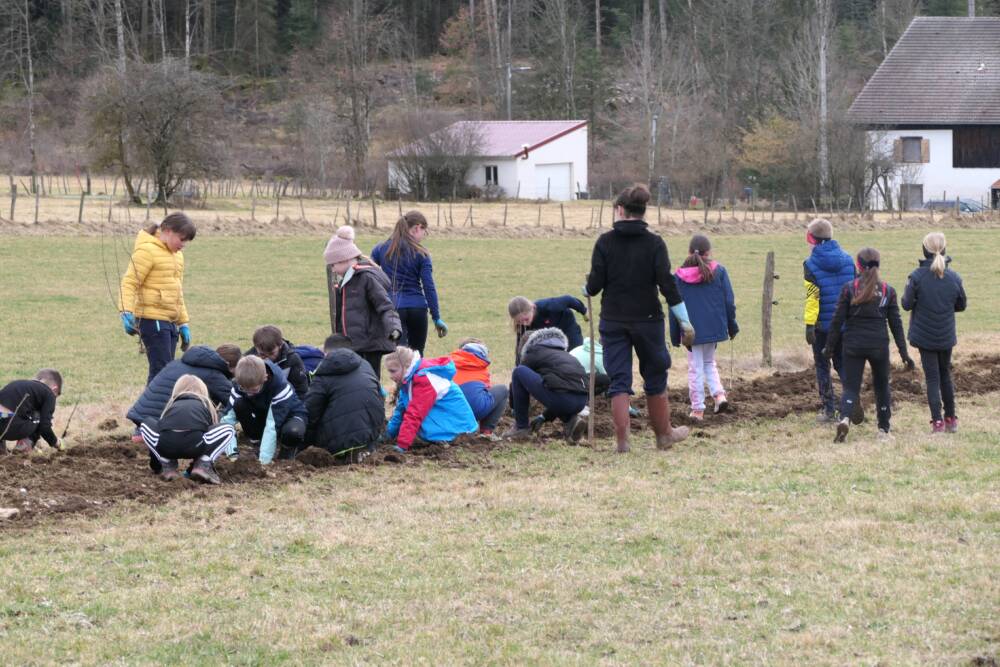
[(821, 228), (341, 246)]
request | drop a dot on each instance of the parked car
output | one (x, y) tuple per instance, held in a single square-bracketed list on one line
[(964, 205)]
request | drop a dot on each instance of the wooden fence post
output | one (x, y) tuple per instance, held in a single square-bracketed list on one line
[(79, 215), (766, 304), (331, 298), (13, 198), (562, 212), (374, 213), (600, 216), (37, 190)]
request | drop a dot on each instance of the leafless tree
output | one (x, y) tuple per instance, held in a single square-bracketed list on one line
[(436, 155)]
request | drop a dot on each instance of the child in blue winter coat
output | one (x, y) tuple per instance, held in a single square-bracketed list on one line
[(430, 405), (704, 285)]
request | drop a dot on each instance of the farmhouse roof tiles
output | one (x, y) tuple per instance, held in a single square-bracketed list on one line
[(942, 71), (508, 138)]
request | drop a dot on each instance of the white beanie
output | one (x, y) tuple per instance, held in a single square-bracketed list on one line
[(341, 246)]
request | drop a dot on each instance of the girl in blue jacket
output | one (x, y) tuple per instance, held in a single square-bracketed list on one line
[(934, 293), (704, 285), (557, 311), (407, 263)]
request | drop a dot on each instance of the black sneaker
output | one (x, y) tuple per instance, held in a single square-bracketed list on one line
[(574, 429), (843, 426), (204, 471)]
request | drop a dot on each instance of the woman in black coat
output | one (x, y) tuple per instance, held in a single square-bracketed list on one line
[(933, 294)]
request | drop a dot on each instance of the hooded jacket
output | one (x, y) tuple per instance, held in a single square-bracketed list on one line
[(277, 400), (933, 302), (863, 325), (411, 278), (826, 271), (711, 306), (556, 312), (187, 413), (582, 355), (152, 285), (627, 267), (472, 375), (291, 363), (200, 361), (430, 404), (344, 403), (364, 311), (545, 353), (32, 401)]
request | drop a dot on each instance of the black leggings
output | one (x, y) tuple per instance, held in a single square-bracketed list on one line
[(374, 360), (854, 371), (937, 373), (414, 321)]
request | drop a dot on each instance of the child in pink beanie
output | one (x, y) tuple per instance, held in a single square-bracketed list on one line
[(362, 306)]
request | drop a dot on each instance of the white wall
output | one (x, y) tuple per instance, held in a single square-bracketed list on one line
[(938, 177), (506, 174)]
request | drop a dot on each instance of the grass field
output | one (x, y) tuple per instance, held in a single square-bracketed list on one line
[(756, 544)]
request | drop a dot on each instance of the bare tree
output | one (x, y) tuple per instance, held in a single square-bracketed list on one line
[(18, 59), (434, 160), (558, 20)]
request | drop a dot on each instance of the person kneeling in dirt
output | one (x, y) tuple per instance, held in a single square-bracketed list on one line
[(554, 378), (188, 428), (269, 343), (213, 367), (344, 402), (26, 408), (267, 409), (629, 268), (472, 374), (866, 305), (430, 406), (557, 311)]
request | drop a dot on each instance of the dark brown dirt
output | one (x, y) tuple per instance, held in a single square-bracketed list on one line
[(90, 478)]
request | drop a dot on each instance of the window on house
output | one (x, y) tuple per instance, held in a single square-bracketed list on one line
[(911, 149), (492, 176), (911, 196), (976, 147)]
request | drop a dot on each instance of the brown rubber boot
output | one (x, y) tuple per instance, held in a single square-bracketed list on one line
[(620, 417), (659, 420)]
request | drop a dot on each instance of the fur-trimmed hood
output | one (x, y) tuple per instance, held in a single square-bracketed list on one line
[(548, 337)]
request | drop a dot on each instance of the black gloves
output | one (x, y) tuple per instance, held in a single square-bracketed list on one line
[(811, 334)]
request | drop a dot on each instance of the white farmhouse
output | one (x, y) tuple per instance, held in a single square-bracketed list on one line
[(527, 159), (933, 109)]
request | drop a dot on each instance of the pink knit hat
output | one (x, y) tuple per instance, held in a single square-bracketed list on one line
[(341, 246)]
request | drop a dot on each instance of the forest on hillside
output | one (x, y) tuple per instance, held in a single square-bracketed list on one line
[(704, 97)]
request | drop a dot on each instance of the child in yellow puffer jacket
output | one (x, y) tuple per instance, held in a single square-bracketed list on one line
[(152, 294)]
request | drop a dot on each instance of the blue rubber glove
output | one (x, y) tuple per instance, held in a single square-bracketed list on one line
[(185, 332), (441, 327), (128, 322)]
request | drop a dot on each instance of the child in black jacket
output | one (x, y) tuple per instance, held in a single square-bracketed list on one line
[(553, 377), (189, 428), (26, 408), (934, 293), (269, 343), (865, 306)]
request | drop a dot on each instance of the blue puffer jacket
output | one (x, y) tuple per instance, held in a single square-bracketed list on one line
[(710, 306), (430, 404), (200, 361), (411, 276), (829, 268), (934, 302)]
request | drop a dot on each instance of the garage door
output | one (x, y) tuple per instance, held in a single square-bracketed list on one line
[(553, 180)]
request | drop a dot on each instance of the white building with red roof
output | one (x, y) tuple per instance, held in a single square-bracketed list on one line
[(526, 159)]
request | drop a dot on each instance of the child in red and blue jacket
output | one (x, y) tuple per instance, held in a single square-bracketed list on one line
[(430, 405), (711, 306)]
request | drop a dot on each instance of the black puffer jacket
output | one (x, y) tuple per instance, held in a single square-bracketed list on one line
[(200, 361), (863, 325), (289, 361), (545, 353), (187, 413), (934, 302), (344, 403), (364, 310)]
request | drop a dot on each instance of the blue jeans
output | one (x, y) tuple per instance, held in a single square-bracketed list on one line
[(160, 340), (824, 381), (650, 344), (526, 384)]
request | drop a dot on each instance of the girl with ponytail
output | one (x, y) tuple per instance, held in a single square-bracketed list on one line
[(704, 285), (933, 294), (865, 308)]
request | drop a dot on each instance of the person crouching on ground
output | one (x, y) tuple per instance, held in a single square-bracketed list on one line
[(865, 307), (364, 310), (151, 301), (472, 374), (553, 377), (430, 405), (557, 311), (26, 409), (628, 266), (269, 343), (934, 293), (188, 428), (704, 285), (267, 409), (344, 402)]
